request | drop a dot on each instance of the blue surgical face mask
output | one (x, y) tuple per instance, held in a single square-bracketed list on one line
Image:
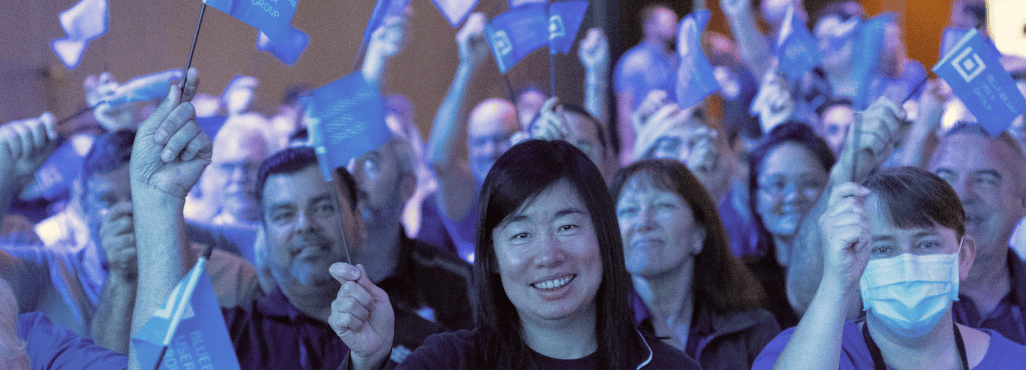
[(910, 293)]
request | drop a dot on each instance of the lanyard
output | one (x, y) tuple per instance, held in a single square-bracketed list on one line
[(878, 362)]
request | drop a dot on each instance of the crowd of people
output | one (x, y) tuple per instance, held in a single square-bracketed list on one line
[(803, 225)]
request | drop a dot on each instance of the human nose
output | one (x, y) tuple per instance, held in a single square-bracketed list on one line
[(646, 221), (551, 254), (305, 221)]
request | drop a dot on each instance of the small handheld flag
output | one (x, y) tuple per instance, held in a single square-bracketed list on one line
[(455, 11), (272, 17), (347, 119), (973, 70), (695, 78), (148, 87), (516, 33), (82, 23), (866, 63), (796, 49), (382, 10), (188, 331), (565, 19), (288, 48)]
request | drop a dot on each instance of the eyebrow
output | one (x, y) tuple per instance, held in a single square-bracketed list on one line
[(567, 212)]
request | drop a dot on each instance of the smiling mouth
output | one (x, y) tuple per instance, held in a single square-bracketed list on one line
[(554, 283)]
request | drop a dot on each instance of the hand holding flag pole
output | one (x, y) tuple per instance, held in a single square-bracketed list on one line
[(195, 37)]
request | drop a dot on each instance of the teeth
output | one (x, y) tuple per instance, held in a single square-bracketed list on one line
[(553, 284)]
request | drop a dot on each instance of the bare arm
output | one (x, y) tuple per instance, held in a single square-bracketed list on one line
[(454, 176), (816, 342), (594, 54), (386, 42), (754, 49), (931, 107), (169, 154), (876, 142), (112, 323)]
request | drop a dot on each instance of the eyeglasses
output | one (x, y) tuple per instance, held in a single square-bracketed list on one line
[(779, 186)]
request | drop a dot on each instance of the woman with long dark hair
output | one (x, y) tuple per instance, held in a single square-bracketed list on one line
[(551, 284)]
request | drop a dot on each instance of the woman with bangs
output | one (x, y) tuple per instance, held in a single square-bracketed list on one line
[(692, 291), (552, 290)]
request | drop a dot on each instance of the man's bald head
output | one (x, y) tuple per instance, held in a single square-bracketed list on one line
[(239, 148), (489, 128)]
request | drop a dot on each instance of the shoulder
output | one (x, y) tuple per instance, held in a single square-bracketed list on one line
[(1002, 353), (452, 350), (663, 356), (429, 257), (59, 348)]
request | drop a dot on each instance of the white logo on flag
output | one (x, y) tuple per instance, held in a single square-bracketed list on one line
[(501, 43), (968, 64), (556, 28), (688, 29)]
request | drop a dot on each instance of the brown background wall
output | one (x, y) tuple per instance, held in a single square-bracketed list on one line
[(147, 36)]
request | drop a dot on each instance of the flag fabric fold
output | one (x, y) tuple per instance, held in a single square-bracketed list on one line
[(192, 327), (973, 70), (147, 87), (565, 19), (288, 48), (516, 33), (695, 77), (455, 11), (347, 119), (83, 22), (796, 51), (272, 17)]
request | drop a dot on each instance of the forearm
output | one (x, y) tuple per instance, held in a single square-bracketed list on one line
[(112, 323), (624, 103), (754, 50), (596, 95), (162, 253), (448, 119), (914, 151), (816, 342), (373, 69)]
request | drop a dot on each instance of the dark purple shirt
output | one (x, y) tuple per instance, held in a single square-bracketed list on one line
[(1007, 317)]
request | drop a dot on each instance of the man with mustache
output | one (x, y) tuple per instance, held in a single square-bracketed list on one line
[(989, 175)]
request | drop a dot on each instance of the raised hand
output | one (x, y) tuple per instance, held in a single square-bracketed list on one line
[(594, 51), (472, 42), (362, 316), (550, 124), (117, 237), (170, 150), (876, 139), (389, 39), (99, 89), (845, 231), (735, 7), (773, 102), (24, 147)]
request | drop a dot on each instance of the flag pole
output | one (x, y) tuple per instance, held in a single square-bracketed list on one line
[(192, 51), (336, 196), (180, 305), (552, 73), (75, 115), (513, 100)]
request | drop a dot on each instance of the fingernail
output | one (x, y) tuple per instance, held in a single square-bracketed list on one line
[(353, 274), (160, 137), (167, 156)]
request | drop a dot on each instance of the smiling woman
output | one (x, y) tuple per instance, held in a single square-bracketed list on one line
[(552, 288)]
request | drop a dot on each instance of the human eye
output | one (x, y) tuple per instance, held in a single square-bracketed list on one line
[(323, 209), (627, 211), (929, 246), (988, 179), (568, 228), (881, 251), (282, 216)]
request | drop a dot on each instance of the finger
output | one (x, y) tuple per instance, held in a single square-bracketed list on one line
[(154, 121), (191, 84), (848, 189), (378, 293), (344, 272), (173, 122), (347, 322), (176, 146), (39, 135), (351, 306), (199, 144), (354, 290), (24, 139), (49, 124)]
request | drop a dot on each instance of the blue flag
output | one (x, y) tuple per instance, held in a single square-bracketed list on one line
[(272, 17), (455, 11), (516, 33), (973, 70), (382, 10), (347, 119), (797, 51), (565, 19), (513, 4), (191, 324), (866, 63), (82, 23), (142, 88), (288, 48), (695, 78)]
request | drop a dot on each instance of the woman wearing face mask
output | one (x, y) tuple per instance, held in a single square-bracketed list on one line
[(900, 243), (789, 170), (695, 293), (552, 290)]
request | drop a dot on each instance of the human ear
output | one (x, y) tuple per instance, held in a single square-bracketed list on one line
[(966, 256), (699, 241)]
